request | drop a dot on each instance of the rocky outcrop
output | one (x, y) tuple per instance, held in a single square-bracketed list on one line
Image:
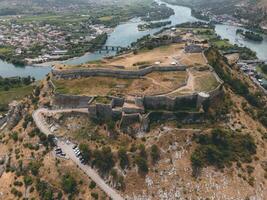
[(15, 114)]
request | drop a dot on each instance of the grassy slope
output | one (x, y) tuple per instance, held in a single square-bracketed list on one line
[(14, 94)]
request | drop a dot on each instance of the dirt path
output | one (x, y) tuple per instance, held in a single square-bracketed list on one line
[(67, 148), (189, 87)]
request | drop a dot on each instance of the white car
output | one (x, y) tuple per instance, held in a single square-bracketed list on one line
[(77, 152)]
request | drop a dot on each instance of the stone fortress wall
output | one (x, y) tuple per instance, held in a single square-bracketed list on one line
[(158, 107), (82, 73)]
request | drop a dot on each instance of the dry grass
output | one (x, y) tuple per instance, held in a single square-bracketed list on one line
[(205, 82), (152, 84), (164, 54)]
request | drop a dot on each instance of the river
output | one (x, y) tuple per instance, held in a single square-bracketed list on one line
[(126, 33)]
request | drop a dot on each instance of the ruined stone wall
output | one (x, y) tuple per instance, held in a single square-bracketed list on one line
[(51, 85), (129, 119), (104, 111), (70, 101), (78, 73), (163, 116), (117, 102), (217, 91), (3, 120), (167, 103)]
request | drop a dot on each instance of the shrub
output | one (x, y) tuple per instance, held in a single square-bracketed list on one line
[(123, 157), (92, 185), (103, 159), (27, 180), (155, 153), (86, 152), (14, 136), (69, 184), (221, 148), (142, 164)]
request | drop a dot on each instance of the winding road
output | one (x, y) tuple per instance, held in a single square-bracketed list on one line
[(38, 117)]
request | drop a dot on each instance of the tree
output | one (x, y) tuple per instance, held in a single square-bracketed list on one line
[(142, 151), (37, 91), (69, 184), (45, 191), (123, 157), (86, 152), (142, 164), (103, 159), (27, 180), (34, 167), (51, 140), (14, 136), (155, 153), (264, 68)]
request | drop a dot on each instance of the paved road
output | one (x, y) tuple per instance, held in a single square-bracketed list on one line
[(67, 148)]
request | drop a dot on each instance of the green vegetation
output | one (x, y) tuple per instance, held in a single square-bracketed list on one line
[(86, 152), (250, 35), (34, 167), (152, 25), (141, 160), (217, 42), (199, 15), (14, 89), (102, 100), (103, 160), (123, 158), (92, 185), (149, 42), (79, 49), (264, 68), (221, 148), (142, 164), (69, 184), (45, 191), (155, 153), (237, 85), (7, 54)]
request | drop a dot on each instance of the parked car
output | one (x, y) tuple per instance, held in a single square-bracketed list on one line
[(58, 148), (83, 162), (76, 150)]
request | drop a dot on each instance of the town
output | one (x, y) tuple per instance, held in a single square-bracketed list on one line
[(40, 42)]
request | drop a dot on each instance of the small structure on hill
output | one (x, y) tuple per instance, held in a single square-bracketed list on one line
[(193, 48)]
